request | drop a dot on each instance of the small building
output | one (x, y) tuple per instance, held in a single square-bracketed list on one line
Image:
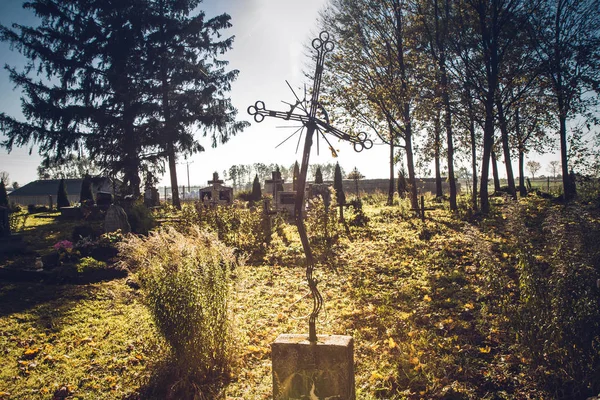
[(43, 192), (216, 193)]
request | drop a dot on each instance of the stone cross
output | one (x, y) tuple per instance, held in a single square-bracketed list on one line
[(275, 180), (215, 180), (305, 111)]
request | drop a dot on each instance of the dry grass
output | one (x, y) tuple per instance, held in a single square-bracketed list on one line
[(417, 298)]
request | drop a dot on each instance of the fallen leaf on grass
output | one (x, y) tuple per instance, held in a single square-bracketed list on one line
[(31, 353), (375, 376), (485, 349)]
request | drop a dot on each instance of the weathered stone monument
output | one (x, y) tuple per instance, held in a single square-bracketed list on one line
[(287, 202), (315, 367), (116, 218), (217, 193), (274, 184)]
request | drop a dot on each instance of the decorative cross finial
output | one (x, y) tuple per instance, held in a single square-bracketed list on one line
[(311, 122)]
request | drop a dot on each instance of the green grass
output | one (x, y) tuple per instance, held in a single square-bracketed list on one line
[(420, 299)]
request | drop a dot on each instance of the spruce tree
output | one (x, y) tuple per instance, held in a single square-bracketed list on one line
[(278, 177), (86, 196), (256, 192), (402, 184), (338, 186), (62, 199), (3, 195), (318, 176), (127, 80), (187, 79)]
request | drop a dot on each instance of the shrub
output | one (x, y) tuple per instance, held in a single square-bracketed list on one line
[(256, 191), (62, 199), (3, 195), (338, 185), (245, 196), (557, 319), (140, 218), (86, 197), (185, 281), (89, 264), (359, 218), (247, 230), (83, 231), (17, 221)]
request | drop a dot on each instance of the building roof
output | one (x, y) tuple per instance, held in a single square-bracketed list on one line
[(44, 187)]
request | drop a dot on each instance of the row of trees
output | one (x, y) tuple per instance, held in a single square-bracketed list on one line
[(465, 78), (126, 82)]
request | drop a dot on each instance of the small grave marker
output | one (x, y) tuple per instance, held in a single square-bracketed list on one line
[(216, 193), (116, 218), (421, 210)]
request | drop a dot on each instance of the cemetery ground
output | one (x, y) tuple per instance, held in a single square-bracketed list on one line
[(455, 307)]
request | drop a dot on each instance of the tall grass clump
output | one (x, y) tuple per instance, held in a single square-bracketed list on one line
[(557, 320), (246, 229), (185, 280)]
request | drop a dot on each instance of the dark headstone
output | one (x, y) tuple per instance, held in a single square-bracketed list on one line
[(104, 200)]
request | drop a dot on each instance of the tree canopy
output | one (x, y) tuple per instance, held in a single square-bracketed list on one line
[(128, 81)]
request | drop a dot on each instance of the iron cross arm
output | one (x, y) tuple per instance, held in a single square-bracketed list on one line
[(360, 141)]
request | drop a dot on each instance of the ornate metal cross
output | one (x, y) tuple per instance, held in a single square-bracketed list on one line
[(312, 123)]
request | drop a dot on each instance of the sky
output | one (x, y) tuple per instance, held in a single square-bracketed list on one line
[(269, 48)]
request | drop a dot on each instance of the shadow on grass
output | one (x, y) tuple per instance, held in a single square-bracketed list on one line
[(45, 304), (168, 382)]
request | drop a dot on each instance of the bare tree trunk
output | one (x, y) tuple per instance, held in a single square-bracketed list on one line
[(411, 172), (488, 142), (436, 154), (506, 148), (495, 174), (522, 189), (390, 200), (568, 188), (473, 162)]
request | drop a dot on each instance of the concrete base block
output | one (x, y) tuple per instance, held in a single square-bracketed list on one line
[(314, 371)]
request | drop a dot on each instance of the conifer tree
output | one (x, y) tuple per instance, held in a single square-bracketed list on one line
[(278, 177), (318, 176), (86, 196), (402, 184), (188, 83), (62, 199), (3, 195), (338, 186), (127, 80), (256, 191)]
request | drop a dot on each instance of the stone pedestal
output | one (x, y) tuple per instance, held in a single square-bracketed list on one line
[(315, 371)]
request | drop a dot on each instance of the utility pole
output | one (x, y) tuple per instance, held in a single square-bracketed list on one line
[(187, 163)]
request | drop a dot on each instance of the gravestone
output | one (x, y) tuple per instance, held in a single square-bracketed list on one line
[(275, 184), (313, 370), (104, 200), (216, 193), (116, 219), (287, 202), (321, 190)]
